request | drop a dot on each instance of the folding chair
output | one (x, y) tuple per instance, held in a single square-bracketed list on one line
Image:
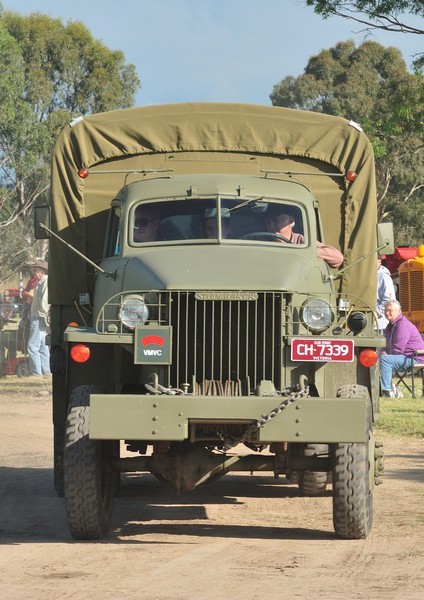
[(412, 372)]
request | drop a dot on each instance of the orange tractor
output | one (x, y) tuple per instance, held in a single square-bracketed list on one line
[(411, 288)]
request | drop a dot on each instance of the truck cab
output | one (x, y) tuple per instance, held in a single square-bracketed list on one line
[(199, 243)]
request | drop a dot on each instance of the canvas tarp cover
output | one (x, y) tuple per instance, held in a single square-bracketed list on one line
[(142, 137)]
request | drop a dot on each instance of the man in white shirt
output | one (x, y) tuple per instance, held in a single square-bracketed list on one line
[(385, 292)]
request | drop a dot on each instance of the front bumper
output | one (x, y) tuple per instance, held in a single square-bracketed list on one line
[(154, 418)]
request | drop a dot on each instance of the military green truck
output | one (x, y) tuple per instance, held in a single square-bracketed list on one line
[(190, 335)]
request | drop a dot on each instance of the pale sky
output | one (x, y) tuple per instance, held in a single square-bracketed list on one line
[(212, 50)]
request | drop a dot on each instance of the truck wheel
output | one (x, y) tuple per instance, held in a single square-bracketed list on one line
[(57, 360), (58, 462), (313, 483), (88, 471), (352, 475)]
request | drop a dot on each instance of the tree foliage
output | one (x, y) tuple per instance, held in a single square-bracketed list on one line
[(50, 72), (67, 69), (371, 85), (390, 15)]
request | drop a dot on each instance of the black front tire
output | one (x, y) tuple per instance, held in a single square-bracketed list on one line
[(89, 478), (353, 477)]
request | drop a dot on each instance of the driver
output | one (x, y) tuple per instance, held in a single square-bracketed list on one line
[(282, 224)]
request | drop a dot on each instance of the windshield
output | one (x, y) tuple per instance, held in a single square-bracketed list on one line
[(218, 219)]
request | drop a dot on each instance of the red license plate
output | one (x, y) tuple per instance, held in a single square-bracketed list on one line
[(308, 350)]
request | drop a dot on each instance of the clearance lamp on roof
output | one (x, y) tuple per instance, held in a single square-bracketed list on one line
[(351, 175)]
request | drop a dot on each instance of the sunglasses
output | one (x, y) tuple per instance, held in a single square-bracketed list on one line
[(140, 223)]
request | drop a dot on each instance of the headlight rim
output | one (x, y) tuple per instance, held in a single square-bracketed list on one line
[(128, 324), (307, 324)]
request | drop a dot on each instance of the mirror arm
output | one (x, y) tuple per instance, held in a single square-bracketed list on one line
[(334, 276), (90, 262)]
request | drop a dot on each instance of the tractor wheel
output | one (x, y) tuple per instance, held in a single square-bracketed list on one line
[(22, 370)]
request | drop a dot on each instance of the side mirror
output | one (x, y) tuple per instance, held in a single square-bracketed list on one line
[(42, 219), (385, 238)]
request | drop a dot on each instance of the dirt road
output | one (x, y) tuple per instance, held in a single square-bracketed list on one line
[(240, 538)]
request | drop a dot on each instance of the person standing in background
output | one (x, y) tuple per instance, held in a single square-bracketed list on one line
[(14, 340), (39, 355), (385, 292), (28, 295)]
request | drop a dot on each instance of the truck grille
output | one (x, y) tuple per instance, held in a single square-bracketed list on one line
[(225, 341)]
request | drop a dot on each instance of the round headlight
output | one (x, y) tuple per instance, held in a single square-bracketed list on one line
[(316, 315), (133, 311)]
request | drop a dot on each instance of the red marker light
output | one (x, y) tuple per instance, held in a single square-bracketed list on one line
[(351, 175), (80, 353), (368, 358), (83, 173)]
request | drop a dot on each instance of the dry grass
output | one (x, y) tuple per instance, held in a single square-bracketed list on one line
[(403, 416), (20, 386)]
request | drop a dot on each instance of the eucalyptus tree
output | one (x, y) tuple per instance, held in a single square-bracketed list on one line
[(390, 15), (50, 72), (372, 85)]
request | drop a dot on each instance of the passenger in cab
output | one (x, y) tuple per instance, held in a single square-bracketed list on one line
[(210, 228), (146, 225)]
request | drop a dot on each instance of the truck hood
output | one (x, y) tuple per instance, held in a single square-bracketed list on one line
[(226, 267)]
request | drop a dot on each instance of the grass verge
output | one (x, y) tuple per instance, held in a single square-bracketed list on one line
[(402, 416)]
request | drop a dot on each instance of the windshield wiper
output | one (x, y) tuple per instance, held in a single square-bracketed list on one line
[(247, 203)]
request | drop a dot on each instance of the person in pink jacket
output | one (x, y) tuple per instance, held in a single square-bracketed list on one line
[(404, 345)]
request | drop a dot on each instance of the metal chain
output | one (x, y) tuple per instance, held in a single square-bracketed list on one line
[(254, 427), (247, 436), (160, 389)]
